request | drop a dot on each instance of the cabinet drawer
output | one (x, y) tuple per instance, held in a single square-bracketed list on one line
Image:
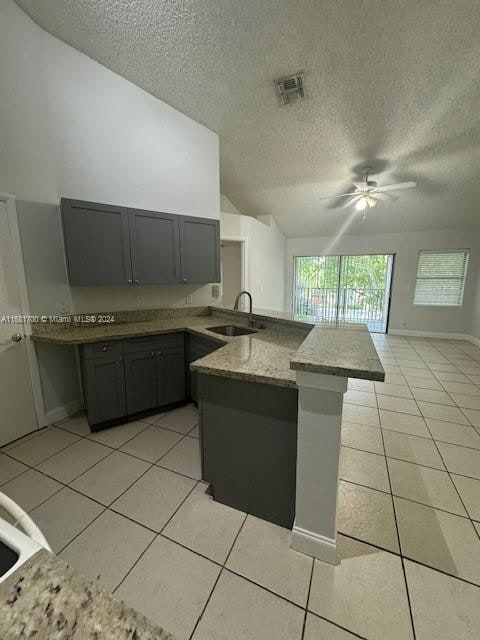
[(102, 349), (154, 343)]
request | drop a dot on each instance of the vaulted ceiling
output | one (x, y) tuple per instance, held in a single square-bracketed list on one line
[(394, 84)]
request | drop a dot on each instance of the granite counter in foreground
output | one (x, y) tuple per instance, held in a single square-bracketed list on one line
[(270, 355), (339, 352), (45, 599)]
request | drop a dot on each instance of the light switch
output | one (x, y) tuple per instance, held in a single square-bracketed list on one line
[(189, 299)]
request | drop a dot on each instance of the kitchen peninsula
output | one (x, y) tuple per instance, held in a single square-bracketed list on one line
[(270, 400)]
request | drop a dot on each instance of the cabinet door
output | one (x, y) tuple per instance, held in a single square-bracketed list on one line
[(171, 375), (141, 381), (104, 387), (200, 250), (155, 247), (97, 244), (198, 348)]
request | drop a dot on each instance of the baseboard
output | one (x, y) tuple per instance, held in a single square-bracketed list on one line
[(474, 341), (314, 544), (430, 334), (60, 413), (435, 334)]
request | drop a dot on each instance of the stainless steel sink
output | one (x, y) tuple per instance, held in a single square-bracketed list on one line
[(231, 330)]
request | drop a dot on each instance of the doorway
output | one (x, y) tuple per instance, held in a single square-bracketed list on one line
[(351, 288), (233, 268), (17, 405)]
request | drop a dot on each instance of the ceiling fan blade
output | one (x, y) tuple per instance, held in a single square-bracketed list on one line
[(394, 187), (384, 197), (339, 195), (352, 201)]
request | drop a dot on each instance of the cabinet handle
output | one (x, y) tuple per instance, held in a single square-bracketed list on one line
[(137, 281), (120, 359), (159, 353), (185, 279), (129, 281), (152, 354), (104, 348)]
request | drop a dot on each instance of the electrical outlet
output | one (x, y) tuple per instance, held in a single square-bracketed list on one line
[(215, 290), (140, 301), (189, 299)]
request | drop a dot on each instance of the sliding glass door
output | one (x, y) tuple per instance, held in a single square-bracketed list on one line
[(344, 288)]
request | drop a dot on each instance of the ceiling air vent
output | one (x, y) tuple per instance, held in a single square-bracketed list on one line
[(290, 88)]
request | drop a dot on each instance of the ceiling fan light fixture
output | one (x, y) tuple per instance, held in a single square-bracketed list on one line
[(361, 204)]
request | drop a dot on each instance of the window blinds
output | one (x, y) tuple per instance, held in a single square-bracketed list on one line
[(441, 277)]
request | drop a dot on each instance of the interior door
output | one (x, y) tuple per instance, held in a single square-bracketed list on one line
[(17, 408)]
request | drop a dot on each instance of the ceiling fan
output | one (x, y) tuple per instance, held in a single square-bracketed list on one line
[(368, 194)]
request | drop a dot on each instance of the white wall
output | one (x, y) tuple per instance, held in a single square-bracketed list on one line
[(266, 254), (73, 128), (475, 324), (70, 127), (403, 314), (231, 260)]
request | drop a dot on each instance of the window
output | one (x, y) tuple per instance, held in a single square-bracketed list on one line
[(441, 278), (344, 288)]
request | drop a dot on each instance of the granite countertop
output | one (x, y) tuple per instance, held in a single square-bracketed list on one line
[(45, 599), (270, 355), (341, 352)]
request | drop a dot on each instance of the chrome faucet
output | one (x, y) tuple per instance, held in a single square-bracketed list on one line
[(251, 321)]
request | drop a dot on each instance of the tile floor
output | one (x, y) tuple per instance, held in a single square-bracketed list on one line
[(126, 507)]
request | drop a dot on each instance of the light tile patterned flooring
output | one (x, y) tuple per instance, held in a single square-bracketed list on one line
[(125, 506)]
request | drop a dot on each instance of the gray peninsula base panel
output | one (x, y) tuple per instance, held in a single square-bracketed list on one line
[(248, 435)]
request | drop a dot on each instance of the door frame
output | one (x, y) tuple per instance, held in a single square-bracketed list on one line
[(12, 217), (245, 255)]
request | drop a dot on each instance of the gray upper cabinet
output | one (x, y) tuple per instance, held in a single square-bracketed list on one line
[(155, 249), (200, 250), (109, 245), (97, 243)]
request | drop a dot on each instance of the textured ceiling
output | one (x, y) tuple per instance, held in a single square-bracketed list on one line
[(395, 83)]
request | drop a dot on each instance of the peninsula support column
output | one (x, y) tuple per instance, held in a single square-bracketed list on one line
[(320, 402)]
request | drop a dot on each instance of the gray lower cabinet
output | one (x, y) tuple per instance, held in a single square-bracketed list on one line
[(110, 245), (200, 250), (141, 381), (125, 378), (104, 388), (171, 378), (198, 347), (97, 243)]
